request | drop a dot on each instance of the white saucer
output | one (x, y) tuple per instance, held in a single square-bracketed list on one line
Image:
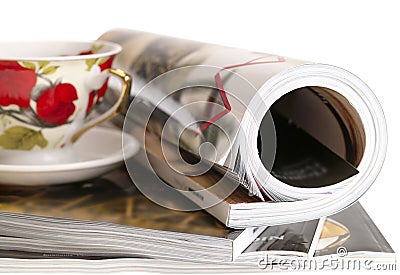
[(98, 151)]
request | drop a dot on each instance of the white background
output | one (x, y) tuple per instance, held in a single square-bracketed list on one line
[(360, 36)]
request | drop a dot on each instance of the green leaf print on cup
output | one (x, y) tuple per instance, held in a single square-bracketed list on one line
[(22, 138)]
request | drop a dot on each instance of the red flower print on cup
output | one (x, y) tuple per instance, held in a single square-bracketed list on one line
[(102, 90), (55, 105), (96, 96), (16, 83), (104, 66)]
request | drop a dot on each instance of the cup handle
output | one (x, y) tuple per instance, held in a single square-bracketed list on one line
[(115, 109)]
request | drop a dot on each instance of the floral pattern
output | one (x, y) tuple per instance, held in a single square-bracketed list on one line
[(101, 65), (16, 83), (20, 88), (31, 96), (55, 105)]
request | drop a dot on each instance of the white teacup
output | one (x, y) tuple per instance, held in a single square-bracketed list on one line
[(48, 91)]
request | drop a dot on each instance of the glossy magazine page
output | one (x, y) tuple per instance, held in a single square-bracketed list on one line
[(353, 231)]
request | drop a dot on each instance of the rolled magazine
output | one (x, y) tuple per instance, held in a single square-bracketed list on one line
[(287, 130)]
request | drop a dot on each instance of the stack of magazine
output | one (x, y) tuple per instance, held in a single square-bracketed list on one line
[(108, 220)]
